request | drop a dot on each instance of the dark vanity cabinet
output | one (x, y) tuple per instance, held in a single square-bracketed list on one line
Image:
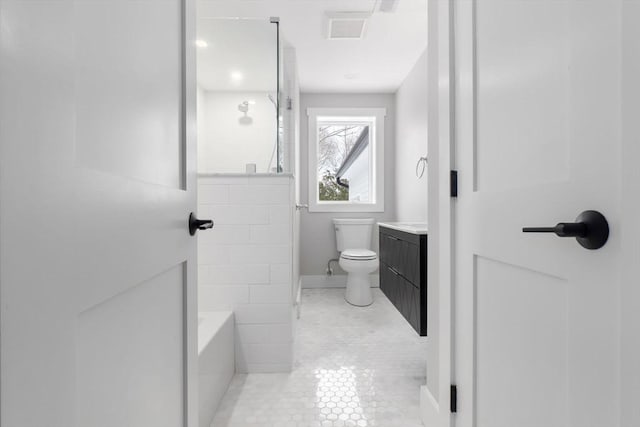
[(403, 274)]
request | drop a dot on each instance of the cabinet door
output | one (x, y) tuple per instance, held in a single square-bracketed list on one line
[(397, 292), (384, 248), (409, 262), (413, 314), (385, 284), (395, 251), (403, 296), (414, 256), (388, 283)]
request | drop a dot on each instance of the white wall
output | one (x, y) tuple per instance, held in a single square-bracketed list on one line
[(417, 136), (437, 173), (411, 144), (227, 141), (244, 264), (318, 243)]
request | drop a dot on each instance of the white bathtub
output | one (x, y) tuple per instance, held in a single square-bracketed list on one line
[(216, 360)]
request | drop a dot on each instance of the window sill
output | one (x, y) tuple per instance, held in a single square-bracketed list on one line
[(346, 207)]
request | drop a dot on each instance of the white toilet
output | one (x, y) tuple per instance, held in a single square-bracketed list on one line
[(353, 237)]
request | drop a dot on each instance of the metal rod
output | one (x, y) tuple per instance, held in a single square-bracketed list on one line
[(329, 269)]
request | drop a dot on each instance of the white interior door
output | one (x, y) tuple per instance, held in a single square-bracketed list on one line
[(97, 179), (538, 141)]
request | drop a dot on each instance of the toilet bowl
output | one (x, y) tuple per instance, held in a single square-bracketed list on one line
[(353, 238), (359, 264)]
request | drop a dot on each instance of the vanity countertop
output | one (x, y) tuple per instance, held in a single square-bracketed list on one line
[(407, 227)]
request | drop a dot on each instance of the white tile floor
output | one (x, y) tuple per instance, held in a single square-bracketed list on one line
[(354, 367)]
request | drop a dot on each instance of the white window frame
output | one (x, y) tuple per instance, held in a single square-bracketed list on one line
[(377, 157)]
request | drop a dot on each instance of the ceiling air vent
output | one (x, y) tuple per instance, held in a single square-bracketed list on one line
[(346, 25)]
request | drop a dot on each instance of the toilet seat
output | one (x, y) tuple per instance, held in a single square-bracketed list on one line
[(358, 254)]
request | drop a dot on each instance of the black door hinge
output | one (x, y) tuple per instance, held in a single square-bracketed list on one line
[(453, 182), (454, 399)]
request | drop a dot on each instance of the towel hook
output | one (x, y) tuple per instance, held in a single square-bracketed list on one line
[(421, 166)]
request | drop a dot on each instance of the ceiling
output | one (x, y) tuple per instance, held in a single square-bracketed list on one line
[(377, 63), (241, 55)]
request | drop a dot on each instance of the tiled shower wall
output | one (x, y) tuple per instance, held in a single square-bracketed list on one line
[(244, 264)]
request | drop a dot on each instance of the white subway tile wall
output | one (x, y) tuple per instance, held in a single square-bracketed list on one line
[(244, 264), (272, 294)]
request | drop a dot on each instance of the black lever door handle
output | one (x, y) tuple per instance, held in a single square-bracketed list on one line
[(562, 229), (591, 229), (196, 224)]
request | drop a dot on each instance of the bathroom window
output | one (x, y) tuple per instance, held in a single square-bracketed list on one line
[(346, 159)]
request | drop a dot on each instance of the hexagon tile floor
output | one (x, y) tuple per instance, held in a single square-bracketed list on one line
[(354, 366)]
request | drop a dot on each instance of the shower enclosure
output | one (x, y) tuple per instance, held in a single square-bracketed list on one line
[(239, 78), (247, 129)]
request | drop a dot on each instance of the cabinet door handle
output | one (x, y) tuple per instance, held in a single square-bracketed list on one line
[(394, 271)]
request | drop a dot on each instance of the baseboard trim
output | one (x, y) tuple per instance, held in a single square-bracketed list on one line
[(323, 281), (335, 281)]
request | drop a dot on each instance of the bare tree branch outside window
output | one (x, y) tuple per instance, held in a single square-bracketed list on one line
[(335, 141)]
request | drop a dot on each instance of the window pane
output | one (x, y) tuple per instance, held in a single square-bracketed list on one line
[(344, 162)]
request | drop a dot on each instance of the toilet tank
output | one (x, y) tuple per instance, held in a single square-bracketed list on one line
[(352, 233)]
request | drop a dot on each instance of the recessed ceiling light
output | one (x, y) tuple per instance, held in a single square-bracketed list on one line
[(252, 102), (236, 76), (202, 43)]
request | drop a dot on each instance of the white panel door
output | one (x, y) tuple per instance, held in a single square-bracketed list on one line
[(97, 179), (537, 124)]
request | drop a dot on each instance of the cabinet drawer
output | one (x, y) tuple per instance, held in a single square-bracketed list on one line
[(390, 284), (406, 297), (408, 264), (404, 257), (389, 248)]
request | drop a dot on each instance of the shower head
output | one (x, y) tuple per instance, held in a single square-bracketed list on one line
[(244, 107)]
